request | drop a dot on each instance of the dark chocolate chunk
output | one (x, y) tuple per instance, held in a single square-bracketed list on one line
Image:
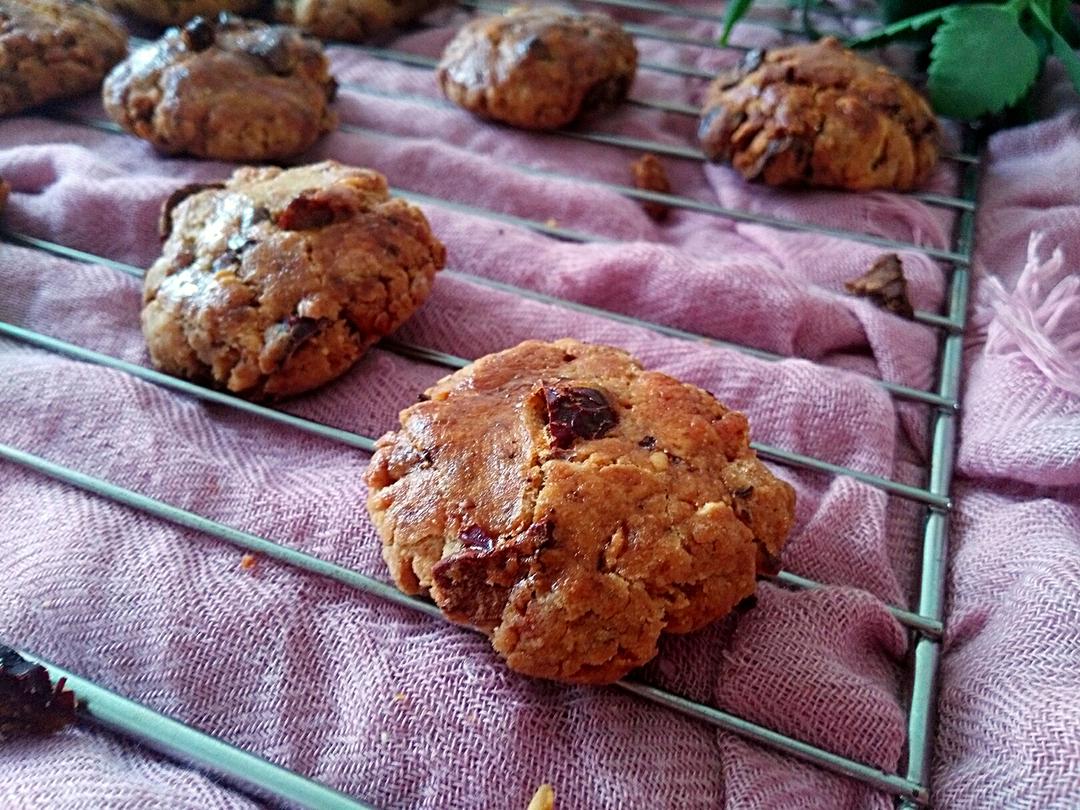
[(29, 703), (476, 538), (198, 34), (885, 284), (577, 412), (648, 442)]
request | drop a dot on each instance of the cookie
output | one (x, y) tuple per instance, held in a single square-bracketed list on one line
[(227, 88), (572, 505), (818, 115), (5, 191), (350, 20), (52, 49), (538, 68), (177, 12), (277, 281)]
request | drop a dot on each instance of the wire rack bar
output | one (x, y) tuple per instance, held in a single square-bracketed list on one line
[(896, 389), (927, 651), (176, 740), (892, 783)]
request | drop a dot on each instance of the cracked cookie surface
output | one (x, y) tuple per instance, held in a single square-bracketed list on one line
[(818, 115), (176, 12), (277, 281), (225, 88), (350, 20), (52, 49), (572, 505), (538, 68)]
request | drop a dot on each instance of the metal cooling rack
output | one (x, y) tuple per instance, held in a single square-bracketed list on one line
[(909, 784)]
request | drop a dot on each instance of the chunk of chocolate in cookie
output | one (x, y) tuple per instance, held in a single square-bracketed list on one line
[(573, 506), (225, 88), (818, 115), (52, 49), (538, 68), (277, 281)]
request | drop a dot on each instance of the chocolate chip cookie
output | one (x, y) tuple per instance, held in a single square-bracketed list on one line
[(225, 88), (277, 281), (818, 115), (177, 12), (349, 20), (538, 68), (573, 505), (52, 49)]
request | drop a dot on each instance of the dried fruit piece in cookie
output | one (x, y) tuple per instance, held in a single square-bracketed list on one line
[(51, 49), (649, 175), (29, 703), (177, 12), (225, 88), (278, 280), (573, 506), (818, 115), (884, 282), (538, 68), (349, 20)]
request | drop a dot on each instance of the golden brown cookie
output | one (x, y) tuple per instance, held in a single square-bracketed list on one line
[(277, 281), (177, 12), (52, 49), (538, 68), (225, 88), (349, 20), (818, 115), (572, 506), (5, 191)]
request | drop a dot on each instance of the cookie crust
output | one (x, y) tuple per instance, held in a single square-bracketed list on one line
[(277, 281), (350, 20), (52, 49), (572, 506), (819, 115), (228, 88), (176, 12), (538, 68)]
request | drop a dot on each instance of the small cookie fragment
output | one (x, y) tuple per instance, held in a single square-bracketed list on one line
[(538, 68), (225, 88), (573, 506), (29, 703), (649, 175), (885, 284), (52, 49), (350, 20), (5, 191), (819, 115), (177, 12), (278, 281), (543, 799)]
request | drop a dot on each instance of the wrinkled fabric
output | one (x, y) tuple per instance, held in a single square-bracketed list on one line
[(406, 711)]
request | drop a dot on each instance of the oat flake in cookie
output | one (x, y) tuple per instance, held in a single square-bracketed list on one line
[(278, 280), (349, 20), (538, 68), (225, 88), (573, 505), (51, 49), (818, 115)]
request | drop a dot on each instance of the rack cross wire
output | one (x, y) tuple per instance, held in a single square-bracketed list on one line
[(248, 771)]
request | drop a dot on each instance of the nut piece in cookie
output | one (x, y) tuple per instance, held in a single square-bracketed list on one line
[(818, 115), (573, 506), (225, 88), (279, 280), (52, 49), (538, 68), (349, 20), (176, 12)]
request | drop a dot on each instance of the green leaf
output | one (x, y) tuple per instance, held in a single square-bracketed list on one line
[(1061, 49), (732, 15), (898, 29), (981, 62), (1064, 22)]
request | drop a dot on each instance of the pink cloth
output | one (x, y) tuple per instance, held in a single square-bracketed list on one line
[(405, 711)]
